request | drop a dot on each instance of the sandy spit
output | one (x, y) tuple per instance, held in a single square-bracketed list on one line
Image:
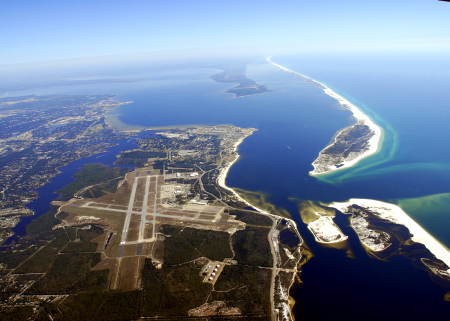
[(360, 116)]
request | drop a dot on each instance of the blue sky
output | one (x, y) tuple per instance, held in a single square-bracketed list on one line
[(47, 30)]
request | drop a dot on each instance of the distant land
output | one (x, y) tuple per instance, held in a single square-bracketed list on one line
[(236, 74), (65, 82)]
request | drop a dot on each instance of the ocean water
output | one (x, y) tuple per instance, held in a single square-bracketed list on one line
[(405, 95)]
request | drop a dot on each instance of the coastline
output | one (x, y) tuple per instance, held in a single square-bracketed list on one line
[(112, 119), (361, 119), (223, 175), (396, 215), (221, 182)]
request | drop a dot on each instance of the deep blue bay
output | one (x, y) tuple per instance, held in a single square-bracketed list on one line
[(406, 98)]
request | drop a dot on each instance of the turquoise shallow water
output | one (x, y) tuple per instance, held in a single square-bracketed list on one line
[(402, 96), (405, 96)]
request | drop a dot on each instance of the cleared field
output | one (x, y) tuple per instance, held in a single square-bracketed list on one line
[(139, 198), (202, 225), (147, 248), (134, 224), (109, 264), (118, 207), (148, 231), (206, 217), (133, 235), (137, 206), (112, 250), (101, 241), (128, 274), (98, 205), (157, 250), (135, 217), (181, 214), (115, 219), (130, 250), (204, 208), (140, 186)]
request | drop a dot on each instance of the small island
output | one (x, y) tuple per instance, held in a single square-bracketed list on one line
[(236, 74), (326, 231), (319, 221)]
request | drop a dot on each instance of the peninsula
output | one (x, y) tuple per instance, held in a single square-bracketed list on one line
[(352, 143)]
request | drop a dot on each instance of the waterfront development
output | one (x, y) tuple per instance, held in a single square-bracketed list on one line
[(289, 121)]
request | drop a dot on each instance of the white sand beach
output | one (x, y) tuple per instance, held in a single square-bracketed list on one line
[(362, 119), (395, 214), (223, 175), (326, 231)]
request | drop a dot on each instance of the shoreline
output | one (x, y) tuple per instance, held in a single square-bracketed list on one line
[(361, 119), (224, 173), (221, 182), (395, 214)]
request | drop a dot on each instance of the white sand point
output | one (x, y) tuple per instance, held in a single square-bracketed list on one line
[(362, 119)]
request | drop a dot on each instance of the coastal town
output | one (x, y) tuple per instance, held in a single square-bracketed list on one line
[(38, 135)]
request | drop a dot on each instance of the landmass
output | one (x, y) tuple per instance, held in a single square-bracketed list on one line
[(64, 82), (165, 240), (39, 134), (236, 74), (326, 231), (319, 221), (385, 229), (351, 144)]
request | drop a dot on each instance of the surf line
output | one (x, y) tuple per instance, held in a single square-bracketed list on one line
[(362, 119)]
